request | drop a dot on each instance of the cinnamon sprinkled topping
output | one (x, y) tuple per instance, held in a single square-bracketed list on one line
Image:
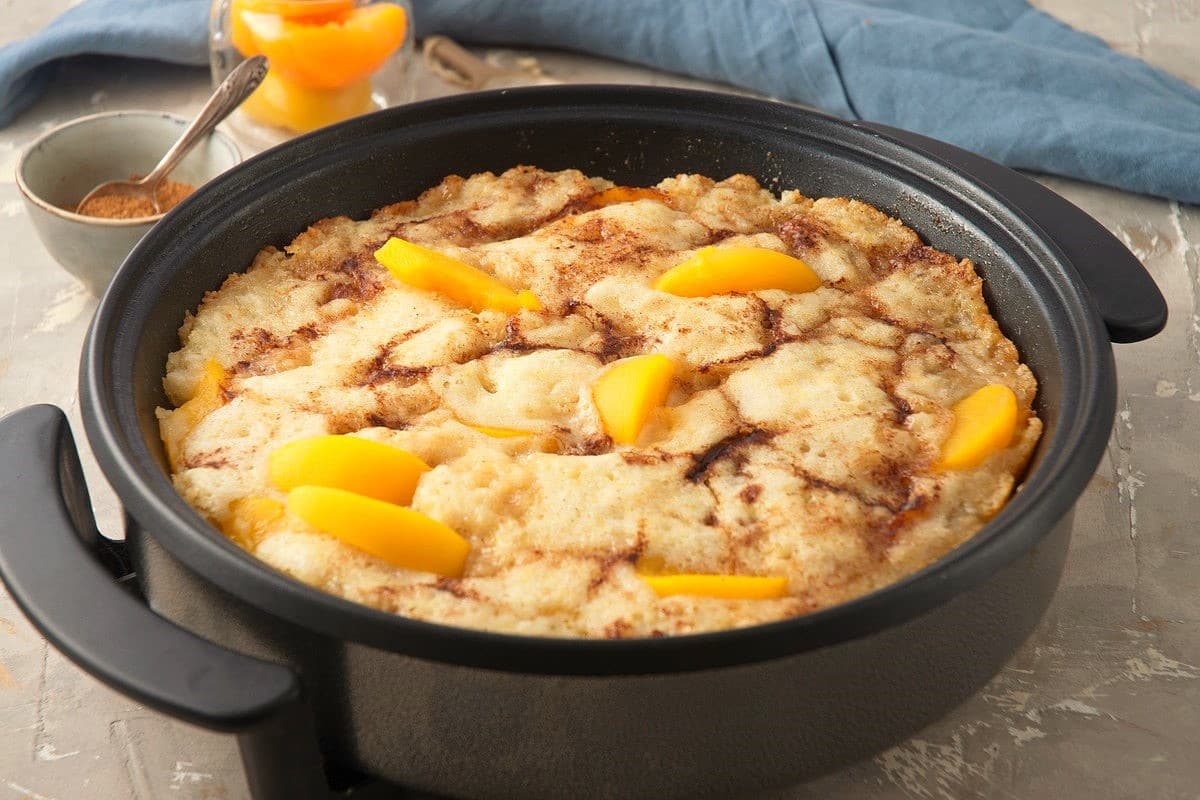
[(120, 206)]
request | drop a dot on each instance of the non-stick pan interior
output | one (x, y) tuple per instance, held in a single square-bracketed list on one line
[(635, 137)]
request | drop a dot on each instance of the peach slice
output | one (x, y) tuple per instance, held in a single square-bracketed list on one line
[(500, 433), (724, 587), (625, 194), (722, 270), (251, 519), (985, 421), (286, 104), (628, 391), (428, 269), (398, 535), (352, 463), (328, 52), (207, 398), (312, 12)]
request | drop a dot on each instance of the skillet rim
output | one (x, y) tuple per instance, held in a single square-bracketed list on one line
[(1048, 492)]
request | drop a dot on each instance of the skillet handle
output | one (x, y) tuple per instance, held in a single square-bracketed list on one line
[(1129, 301), (51, 555)]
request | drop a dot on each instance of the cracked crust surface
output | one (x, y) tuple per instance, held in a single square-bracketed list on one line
[(798, 439)]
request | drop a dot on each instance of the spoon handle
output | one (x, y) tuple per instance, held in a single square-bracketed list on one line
[(236, 87)]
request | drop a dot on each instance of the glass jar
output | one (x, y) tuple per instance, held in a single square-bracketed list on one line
[(329, 60)]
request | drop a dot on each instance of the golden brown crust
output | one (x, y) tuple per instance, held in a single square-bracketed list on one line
[(798, 439)]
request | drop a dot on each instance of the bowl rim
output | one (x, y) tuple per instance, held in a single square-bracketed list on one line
[(87, 119), (1050, 489)]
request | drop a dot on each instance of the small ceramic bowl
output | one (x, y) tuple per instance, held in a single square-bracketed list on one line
[(63, 164)]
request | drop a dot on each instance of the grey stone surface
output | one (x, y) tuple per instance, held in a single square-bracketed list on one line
[(1103, 701)]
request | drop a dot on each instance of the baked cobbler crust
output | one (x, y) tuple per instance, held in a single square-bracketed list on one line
[(800, 437)]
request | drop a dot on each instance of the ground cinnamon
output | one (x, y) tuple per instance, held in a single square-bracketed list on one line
[(118, 206)]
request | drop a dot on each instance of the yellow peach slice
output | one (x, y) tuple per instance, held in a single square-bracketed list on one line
[(500, 433), (984, 422), (312, 12), (281, 102), (357, 465), (331, 50), (722, 270), (207, 398), (724, 587), (398, 535), (628, 391), (428, 269), (251, 519)]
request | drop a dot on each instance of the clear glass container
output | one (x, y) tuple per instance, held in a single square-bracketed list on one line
[(330, 60)]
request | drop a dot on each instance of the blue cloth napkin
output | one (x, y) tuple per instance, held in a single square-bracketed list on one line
[(994, 76), (165, 30)]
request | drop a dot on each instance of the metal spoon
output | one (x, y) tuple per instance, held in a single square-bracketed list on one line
[(243, 80)]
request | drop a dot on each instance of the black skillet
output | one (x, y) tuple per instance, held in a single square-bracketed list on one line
[(306, 678)]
